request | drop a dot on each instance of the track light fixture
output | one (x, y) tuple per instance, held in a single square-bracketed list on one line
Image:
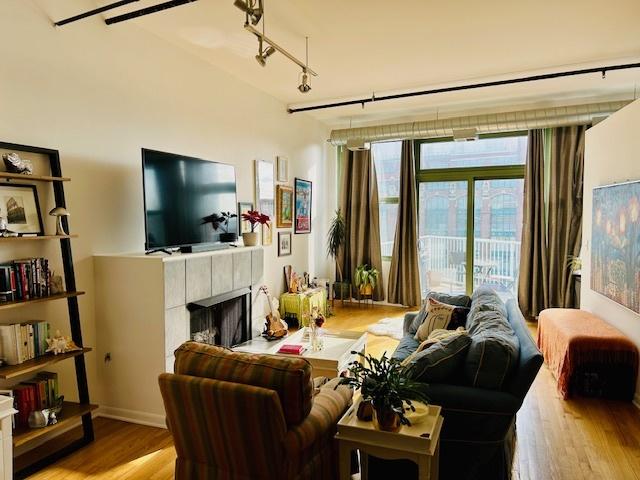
[(263, 54), (305, 86), (253, 9)]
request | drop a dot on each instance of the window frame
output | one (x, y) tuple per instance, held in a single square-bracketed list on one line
[(470, 175), (385, 200)]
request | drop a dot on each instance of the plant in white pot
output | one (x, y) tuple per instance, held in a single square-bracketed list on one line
[(254, 218)]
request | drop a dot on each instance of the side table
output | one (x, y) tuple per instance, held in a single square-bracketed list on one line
[(418, 443), (295, 304)]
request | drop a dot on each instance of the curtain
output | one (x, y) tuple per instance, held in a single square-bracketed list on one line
[(359, 205), (404, 276), (552, 218)]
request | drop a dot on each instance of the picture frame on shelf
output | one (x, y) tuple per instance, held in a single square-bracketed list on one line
[(265, 190), (303, 199), (282, 168), (284, 206), (20, 209), (244, 207), (267, 234), (284, 244)]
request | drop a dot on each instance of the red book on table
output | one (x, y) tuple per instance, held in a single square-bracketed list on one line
[(292, 349)]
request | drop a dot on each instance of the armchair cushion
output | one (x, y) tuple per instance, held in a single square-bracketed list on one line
[(290, 378)]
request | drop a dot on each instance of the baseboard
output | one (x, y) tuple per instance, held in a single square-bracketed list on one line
[(132, 416)]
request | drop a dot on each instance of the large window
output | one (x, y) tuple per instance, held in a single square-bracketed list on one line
[(470, 212), (386, 157)]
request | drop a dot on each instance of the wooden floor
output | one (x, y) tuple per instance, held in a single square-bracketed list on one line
[(557, 440)]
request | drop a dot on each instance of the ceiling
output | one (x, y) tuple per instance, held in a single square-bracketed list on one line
[(359, 47)]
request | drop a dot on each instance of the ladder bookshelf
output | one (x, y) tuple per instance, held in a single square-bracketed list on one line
[(72, 411)]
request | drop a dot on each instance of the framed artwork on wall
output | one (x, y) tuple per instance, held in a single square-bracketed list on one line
[(20, 209), (282, 168), (303, 190), (267, 234), (615, 243), (284, 244), (284, 206), (244, 207), (265, 190)]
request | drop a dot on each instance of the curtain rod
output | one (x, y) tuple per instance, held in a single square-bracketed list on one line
[(484, 123), (532, 78)]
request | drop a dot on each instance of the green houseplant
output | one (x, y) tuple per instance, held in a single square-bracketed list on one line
[(384, 383), (366, 279), (335, 242), (254, 218)]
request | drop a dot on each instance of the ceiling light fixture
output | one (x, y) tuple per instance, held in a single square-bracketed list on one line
[(305, 86), (262, 56), (253, 9)]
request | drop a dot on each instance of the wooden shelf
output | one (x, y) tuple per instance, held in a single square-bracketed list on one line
[(70, 412), (40, 237), (11, 371), (33, 178), (58, 296)]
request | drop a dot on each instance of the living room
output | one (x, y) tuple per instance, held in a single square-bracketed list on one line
[(481, 150)]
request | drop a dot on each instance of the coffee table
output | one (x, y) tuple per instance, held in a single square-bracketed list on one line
[(419, 443), (329, 362)]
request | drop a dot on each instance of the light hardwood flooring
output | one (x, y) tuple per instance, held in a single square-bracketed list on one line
[(557, 440)]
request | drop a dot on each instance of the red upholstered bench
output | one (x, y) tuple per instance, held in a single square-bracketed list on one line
[(587, 355)]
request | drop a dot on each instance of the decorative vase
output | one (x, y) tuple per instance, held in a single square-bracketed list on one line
[(228, 237), (250, 239), (387, 420), (365, 411)]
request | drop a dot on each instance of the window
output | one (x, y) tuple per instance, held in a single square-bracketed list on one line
[(386, 157), (503, 216)]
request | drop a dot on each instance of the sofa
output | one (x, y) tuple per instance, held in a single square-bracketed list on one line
[(479, 431), (243, 416)]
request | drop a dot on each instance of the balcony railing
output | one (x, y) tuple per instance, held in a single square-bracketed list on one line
[(443, 263)]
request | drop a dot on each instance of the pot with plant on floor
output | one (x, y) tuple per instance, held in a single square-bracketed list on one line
[(335, 242), (221, 220), (255, 218), (384, 383), (366, 279)]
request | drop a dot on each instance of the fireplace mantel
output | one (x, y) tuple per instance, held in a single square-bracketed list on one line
[(142, 317)]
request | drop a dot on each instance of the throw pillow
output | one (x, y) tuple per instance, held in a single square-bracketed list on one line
[(439, 361), (455, 300), (440, 315), (436, 336)]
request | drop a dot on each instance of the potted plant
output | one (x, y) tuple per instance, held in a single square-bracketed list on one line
[(335, 242), (366, 279), (384, 383), (254, 218), (222, 220)]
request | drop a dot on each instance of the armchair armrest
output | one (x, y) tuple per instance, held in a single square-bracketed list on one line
[(328, 407), (408, 319)]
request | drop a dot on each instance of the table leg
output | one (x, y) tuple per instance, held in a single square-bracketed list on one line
[(424, 467), (364, 465), (345, 461)]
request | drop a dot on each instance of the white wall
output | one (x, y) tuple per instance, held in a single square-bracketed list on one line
[(98, 94), (612, 155)]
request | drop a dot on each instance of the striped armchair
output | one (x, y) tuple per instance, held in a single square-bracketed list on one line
[(243, 416)]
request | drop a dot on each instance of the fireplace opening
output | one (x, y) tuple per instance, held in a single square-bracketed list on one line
[(223, 320)]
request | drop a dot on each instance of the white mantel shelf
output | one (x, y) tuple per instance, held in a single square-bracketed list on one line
[(177, 256)]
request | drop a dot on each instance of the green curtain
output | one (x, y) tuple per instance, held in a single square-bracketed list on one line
[(552, 218), (404, 276), (359, 205)]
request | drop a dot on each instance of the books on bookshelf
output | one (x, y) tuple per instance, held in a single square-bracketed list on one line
[(20, 342), (25, 279), (36, 394)]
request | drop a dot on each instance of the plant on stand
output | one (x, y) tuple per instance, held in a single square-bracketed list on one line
[(383, 382), (366, 279), (335, 242), (254, 218), (222, 220)]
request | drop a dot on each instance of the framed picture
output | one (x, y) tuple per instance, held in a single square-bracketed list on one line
[(284, 206), (267, 234), (20, 209), (244, 207), (303, 206), (282, 169), (284, 244), (265, 194)]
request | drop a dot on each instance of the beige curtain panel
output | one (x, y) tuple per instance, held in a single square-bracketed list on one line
[(552, 218), (359, 205), (404, 276)]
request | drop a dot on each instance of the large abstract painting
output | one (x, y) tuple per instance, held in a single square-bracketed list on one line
[(615, 243)]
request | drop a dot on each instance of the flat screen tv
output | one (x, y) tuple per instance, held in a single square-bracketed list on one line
[(179, 192)]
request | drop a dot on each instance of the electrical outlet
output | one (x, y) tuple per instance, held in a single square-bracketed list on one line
[(107, 357)]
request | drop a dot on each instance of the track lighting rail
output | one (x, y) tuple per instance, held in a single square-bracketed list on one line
[(93, 12)]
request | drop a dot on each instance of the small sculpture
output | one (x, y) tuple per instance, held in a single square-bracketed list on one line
[(15, 164), (56, 285), (59, 212), (60, 344)]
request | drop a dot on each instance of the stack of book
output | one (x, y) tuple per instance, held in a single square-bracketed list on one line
[(36, 394), (25, 279), (20, 342)]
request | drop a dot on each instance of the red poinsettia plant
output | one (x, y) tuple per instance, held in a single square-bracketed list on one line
[(254, 217)]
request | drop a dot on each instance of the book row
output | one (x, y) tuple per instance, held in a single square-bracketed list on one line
[(25, 279), (37, 394), (20, 342)]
